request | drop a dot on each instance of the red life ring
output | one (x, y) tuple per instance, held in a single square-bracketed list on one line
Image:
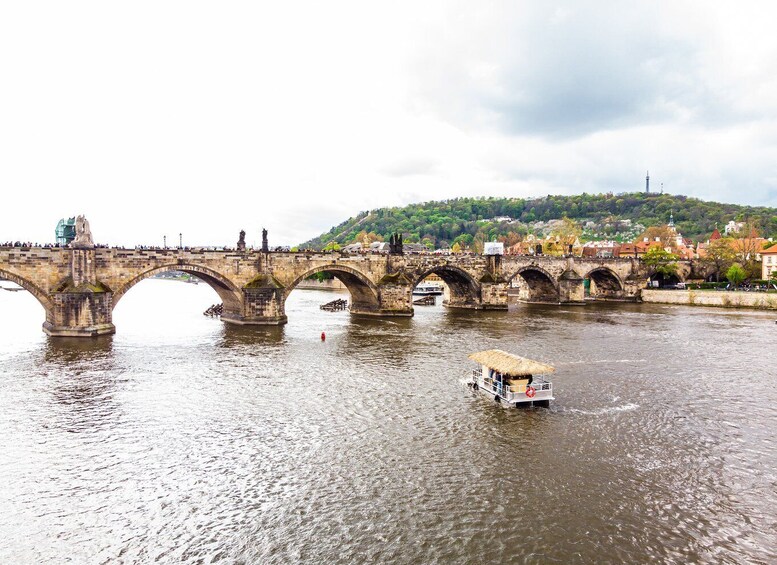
[(530, 392)]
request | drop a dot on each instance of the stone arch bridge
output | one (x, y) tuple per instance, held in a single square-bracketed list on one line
[(79, 288)]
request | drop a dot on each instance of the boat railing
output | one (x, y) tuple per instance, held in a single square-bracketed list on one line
[(542, 388)]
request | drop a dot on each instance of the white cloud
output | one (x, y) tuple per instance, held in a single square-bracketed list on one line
[(159, 118)]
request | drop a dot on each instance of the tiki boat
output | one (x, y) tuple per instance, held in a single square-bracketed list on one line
[(512, 379)]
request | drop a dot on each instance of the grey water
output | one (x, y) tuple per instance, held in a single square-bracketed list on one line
[(183, 440)]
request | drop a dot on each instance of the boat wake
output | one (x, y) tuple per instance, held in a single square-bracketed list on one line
[(599, 361), (603, 411)]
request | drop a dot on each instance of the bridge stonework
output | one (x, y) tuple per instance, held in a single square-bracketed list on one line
[(79, 288)]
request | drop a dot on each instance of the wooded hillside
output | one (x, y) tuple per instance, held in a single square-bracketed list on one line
[(464, 220)]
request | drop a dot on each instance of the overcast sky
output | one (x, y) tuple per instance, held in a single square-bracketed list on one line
[(204, 118)]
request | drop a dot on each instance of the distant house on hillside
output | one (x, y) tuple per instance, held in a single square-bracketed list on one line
[(733, 227), (385, 247), (550, 245), (414, 248), (380, 246), (639, 248), (529, 246), (602, 249), (769, 264)]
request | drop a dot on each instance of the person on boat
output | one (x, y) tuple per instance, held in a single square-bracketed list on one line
[(530, 380)]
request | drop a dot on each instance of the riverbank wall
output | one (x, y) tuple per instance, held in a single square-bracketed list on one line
[(716, 298), (329, 284)]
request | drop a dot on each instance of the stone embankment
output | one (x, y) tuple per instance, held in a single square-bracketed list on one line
[(330, 284), (722, 299)]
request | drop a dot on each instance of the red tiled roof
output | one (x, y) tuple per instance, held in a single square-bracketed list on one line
[(770, 250)]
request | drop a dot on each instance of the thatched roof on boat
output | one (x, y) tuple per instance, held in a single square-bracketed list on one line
[(509, 364)]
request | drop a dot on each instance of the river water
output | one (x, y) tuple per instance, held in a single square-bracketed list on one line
[(182, 440)]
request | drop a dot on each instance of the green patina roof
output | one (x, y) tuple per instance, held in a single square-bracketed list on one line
[(395, 278), (264, 281), (491, 278), (570, 275), (67, 286)]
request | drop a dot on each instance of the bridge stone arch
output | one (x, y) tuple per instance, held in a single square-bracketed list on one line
[(538, 284), (43, 298), (365, 294), (464, 289), (230, 294), (605, 283), (682, 274)]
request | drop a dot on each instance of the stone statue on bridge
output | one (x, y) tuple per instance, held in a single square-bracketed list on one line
[(265, 245), (241, 242), (83, 239), (395, 244)]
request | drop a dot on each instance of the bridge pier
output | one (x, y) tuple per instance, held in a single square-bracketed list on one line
[(632, 287), (81, 312), (571, 289), (493, 296), (262, 304), (395, 298), (81, 306)]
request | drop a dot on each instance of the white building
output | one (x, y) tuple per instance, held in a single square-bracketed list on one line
[(733, 227), (769, 262)]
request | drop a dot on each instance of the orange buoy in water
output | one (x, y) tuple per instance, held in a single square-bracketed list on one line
[(323, 336)]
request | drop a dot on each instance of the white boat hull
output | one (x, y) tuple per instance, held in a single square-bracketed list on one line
[(427, 291)]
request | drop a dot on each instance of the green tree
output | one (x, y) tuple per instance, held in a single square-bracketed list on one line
[(720, 256), (660, 262), (736, 274), (321, 276)]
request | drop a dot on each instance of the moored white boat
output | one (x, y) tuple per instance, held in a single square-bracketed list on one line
[(512, 379), (428, 289)]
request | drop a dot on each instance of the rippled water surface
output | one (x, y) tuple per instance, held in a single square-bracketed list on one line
[(182, 440)]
